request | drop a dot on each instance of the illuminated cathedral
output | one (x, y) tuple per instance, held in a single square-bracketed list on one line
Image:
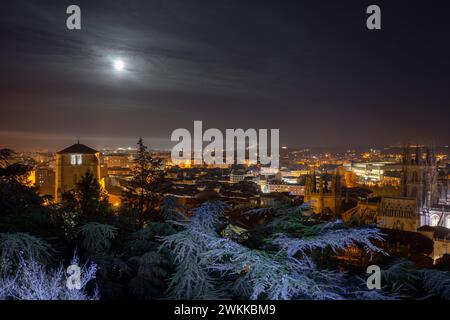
[(423, 200)]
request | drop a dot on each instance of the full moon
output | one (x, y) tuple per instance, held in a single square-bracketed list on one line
[(119, 65)]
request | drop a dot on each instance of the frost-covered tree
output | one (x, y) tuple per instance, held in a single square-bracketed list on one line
[(286, 271), (97, 237), (149, 266), (334, 235), (403, 279), (283, 219), (145, 239), (150, 272), (25, 276), (97, 244), (33, 281), (192, 280), (15, 247), (171, 209), (436, 283), (289, 273)]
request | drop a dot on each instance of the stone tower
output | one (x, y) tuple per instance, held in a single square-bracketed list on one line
[(72, 164), (323, 190), (419, 177)]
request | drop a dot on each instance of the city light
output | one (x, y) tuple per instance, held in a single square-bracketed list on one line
[(231, 154)]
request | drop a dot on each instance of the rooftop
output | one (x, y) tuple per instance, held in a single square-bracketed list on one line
[(438, 231), (78, 148)]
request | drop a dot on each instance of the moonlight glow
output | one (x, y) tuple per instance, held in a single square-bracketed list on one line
[(119, 65)]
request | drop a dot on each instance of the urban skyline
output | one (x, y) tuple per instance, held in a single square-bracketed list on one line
[(224, 151)]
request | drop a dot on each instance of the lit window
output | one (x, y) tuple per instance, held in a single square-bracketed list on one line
[(447, 223), (76, 159), (434, 220)]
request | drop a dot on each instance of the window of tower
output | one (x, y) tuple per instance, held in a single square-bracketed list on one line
[(76, 159)]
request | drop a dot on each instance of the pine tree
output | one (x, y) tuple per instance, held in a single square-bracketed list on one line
[(150, 267), (142, 195), (15, 247), (87, 197), (172, 209), (97, 246), (210, 266), (192, 279), (35, 281)]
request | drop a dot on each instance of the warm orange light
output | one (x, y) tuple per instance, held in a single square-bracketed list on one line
[(31, 179), (187, 164)]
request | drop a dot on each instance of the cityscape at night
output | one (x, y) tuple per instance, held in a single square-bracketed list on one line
[(186, 151)]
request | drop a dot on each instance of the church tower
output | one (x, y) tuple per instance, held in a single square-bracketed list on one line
[(72, 164), (323, 190), (418, 204), (419, 177)]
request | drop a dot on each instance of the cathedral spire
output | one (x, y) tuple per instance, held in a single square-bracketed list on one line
[(406, 155), (433, 153), (417, 154)]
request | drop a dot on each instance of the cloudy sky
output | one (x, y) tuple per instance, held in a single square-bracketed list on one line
[(309, 68)]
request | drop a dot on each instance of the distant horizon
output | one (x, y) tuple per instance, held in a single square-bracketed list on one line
[(132, 145), (29, 140)]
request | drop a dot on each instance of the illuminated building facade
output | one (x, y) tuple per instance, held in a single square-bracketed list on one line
[(370, 172), (398, 214), (324, 192), (72, 164), (118, 160), (419, 203), (292, 189), (419, 178), (45, 180)]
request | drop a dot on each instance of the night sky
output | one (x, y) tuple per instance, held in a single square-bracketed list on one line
[(310, 68)]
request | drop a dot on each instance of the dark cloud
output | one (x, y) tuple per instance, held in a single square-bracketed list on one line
[(311, 69)]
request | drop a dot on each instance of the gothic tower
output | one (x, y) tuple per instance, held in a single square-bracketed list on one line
[(419, 176), (323, 190)]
